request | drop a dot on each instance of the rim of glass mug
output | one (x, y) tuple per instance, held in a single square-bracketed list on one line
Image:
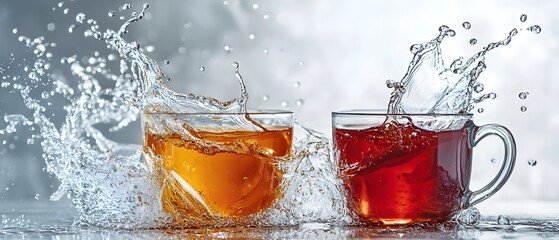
[(381, 112), (365, 118), (261, 118), (249, 112)]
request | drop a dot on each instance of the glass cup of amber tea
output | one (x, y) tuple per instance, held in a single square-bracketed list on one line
[(401, 169), (218, 169)]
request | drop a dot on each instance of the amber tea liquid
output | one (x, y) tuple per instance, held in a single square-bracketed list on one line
[(400, 174), (228, 183)]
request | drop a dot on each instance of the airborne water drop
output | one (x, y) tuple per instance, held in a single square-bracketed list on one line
[(523, 18), (80, 17), (535, 29), (473, 41), (532, 162)]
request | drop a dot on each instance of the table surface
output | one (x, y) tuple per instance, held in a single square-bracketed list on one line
[(56, 220)]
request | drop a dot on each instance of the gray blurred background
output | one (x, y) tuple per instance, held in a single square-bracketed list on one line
[(312, 57)]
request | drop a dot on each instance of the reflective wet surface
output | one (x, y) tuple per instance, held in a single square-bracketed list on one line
[(56, 220)]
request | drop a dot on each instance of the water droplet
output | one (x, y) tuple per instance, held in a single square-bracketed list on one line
[(66, 11), (37, 196), (30, 141), (60, 4), (235, 65), (146, 5), (469, 216), (466, 25), (150, 48), (451, 33), (523, 18), (112, 13), (266, 17), (480, 110), (493, 160), (473, 41), (255, 6), (251, 36), (532, 162), (80, 17), (265, 98), (266, 51), (202, 69), (225, 2), (523, 95), (492, 95), (51, 27), (227, 49), (71, 28), (535, 29), (297, 84), (390, 83), (12, 146), (299, 102), (126, 6), (478, 87), (413, 134), (166, 61), (182, 50), (14, 31), (416, 48), (502, 220), (523, 108), (45, 95), (88, 33), (284, 104), (301, 63)]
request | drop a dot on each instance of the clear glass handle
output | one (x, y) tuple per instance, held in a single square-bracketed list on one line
[(478, 133)]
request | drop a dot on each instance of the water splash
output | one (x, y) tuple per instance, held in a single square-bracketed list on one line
[(431, 87), (112, 184)]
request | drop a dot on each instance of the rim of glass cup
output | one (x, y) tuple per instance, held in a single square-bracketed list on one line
[(249, 112), (383, 112)]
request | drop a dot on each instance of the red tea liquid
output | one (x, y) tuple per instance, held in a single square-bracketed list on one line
[(400, 174)]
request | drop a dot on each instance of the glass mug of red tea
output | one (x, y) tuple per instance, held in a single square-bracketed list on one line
[(412, 168)]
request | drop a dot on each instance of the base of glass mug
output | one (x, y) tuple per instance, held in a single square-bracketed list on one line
[(396, 221), (401, 221)]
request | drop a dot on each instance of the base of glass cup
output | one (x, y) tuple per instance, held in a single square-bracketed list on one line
[(402, 221)]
